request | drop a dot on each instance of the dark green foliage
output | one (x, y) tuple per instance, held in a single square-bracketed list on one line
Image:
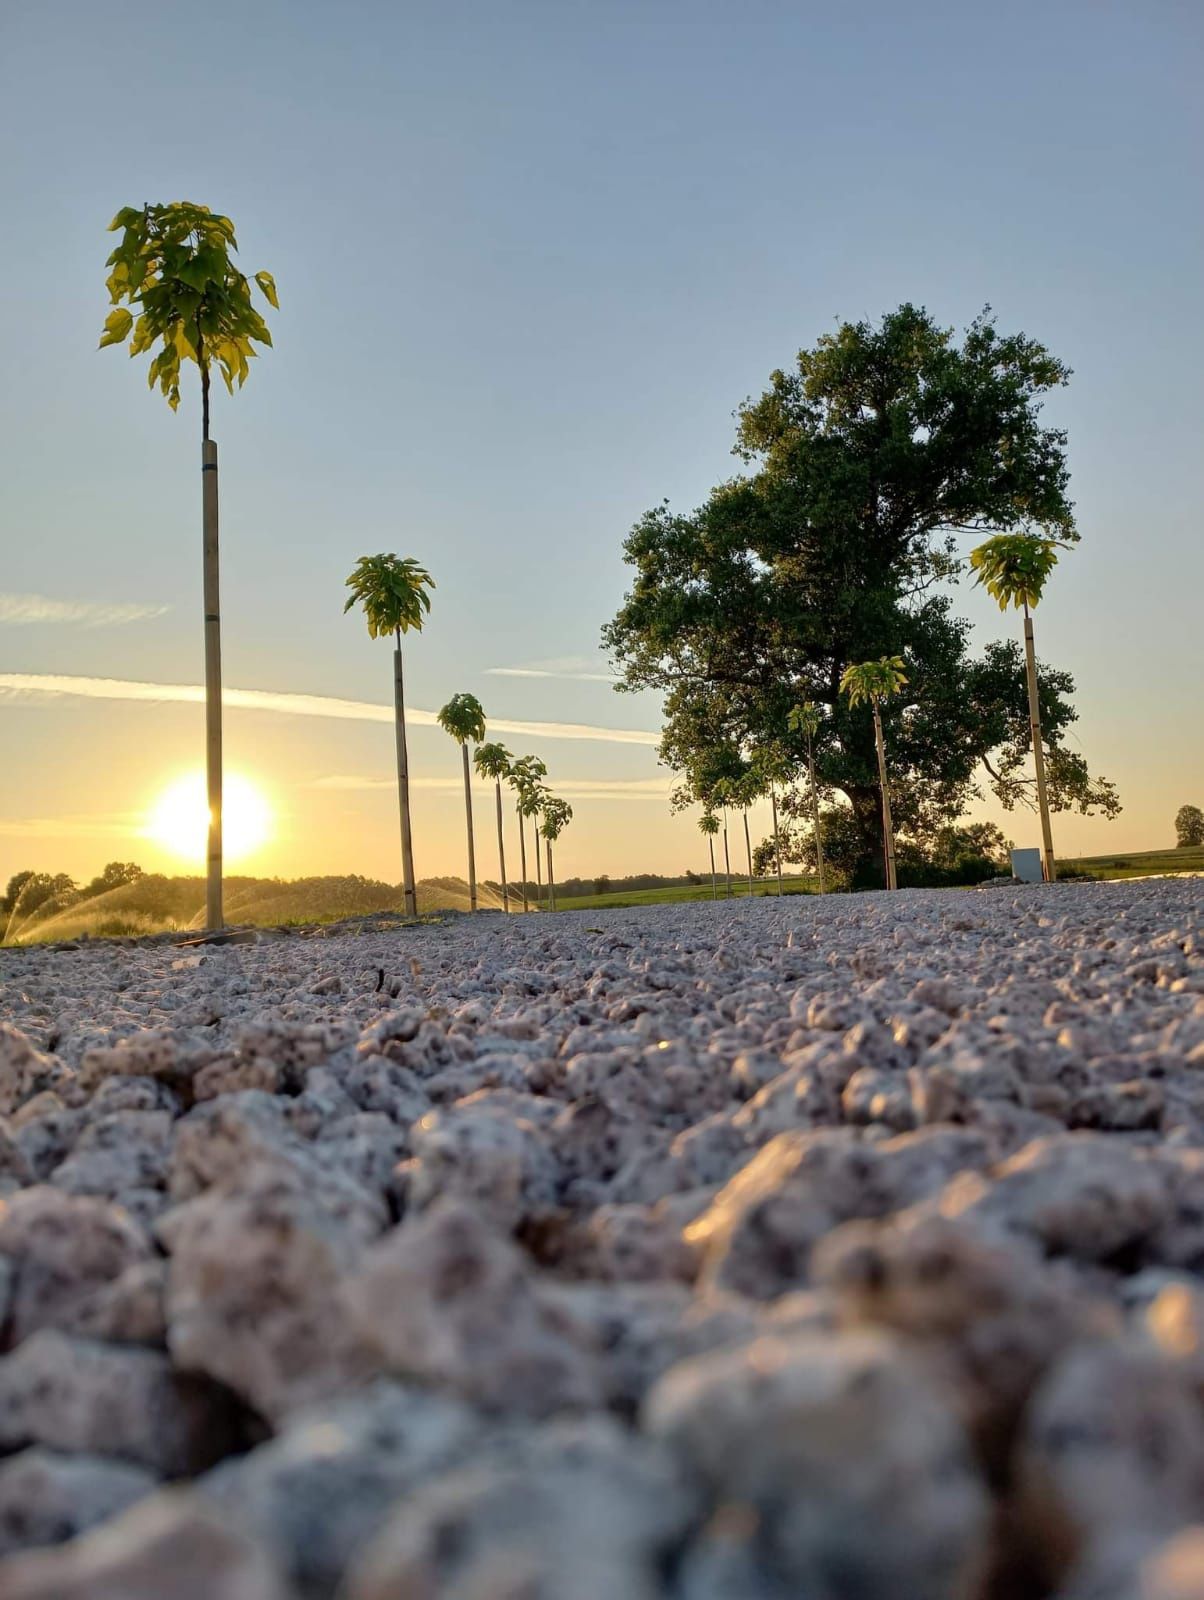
[(30, 892), (944, 858), (1189, 827), (883, 447), (464, 718), (115, 875)]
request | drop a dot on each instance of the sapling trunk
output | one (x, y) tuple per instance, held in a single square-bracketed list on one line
[(777, 843), (748, 848), (214, 917), (501, 847), (1034, 720), (522, 853), (714, 881), (888, 832), (403, 784), (551, 880), (727, 860), (538, 877), (472, 857), (819, 848)]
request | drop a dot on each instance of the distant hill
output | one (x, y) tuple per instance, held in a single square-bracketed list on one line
[(154, 903)]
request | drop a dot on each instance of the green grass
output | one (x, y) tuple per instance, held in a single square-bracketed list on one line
[(1139, 864), (687, 891)]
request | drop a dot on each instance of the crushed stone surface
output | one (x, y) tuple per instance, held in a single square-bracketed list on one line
[(654, 1254)]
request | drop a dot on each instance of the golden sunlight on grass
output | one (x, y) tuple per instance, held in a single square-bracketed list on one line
[(178, 821)]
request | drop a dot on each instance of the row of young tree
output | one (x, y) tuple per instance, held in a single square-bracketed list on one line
[(394, 593), (176, 292), (799, 624)]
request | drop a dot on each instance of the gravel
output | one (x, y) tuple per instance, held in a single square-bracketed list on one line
[(651, 1254)]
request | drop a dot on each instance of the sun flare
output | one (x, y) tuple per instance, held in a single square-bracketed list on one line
[(178, 820)]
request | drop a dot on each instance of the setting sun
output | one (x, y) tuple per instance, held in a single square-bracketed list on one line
[(179, 819)]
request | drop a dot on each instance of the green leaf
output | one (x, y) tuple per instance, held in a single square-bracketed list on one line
[(117, 326), (267, 283)]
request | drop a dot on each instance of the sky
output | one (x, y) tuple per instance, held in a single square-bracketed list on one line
[(531, 255)]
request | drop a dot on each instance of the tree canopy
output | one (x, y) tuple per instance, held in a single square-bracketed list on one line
[(464, 718), (1189, 827), (867, 463), (173, 267), (393, 593)]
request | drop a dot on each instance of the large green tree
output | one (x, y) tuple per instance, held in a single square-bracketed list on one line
[(1189, 827), (869, 465)]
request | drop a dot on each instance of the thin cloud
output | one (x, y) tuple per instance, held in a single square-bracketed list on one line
[(570, 788), (20, 684), (580, 669), (38, 608), (68, 827)]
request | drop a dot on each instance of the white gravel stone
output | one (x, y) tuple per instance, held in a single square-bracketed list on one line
[(875, 1210)]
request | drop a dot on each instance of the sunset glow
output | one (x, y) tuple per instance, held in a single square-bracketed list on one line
[(178, 820)]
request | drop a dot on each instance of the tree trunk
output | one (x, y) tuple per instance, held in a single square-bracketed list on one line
[(1034, 721), (472, 855), (501, 847), (748, 848), (888, 832), (714, 881), (538, 878), (727, 860), (777, 845), (214, 917), (819, 847), (522, 853), (551, 880), (403, 785)]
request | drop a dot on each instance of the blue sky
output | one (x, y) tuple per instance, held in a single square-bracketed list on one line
[(530, 258)]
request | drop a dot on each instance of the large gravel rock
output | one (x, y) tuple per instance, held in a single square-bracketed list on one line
[(47, 1497), (823, 1439), (80, 1395), (170, 1545)]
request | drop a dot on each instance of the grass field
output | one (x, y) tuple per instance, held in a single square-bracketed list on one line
[(1141, 864), (689, 891)]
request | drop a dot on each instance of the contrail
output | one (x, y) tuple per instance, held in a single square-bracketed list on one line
[(570, 788), (39, 608), (293, 705)]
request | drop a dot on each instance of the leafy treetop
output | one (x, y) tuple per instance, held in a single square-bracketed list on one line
[(709, 822), (804, 719), (393, 592), (492, 761), (173, 284), (464, 718), (527, 774), (557, 814), (1013, 568), (874, 681)]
